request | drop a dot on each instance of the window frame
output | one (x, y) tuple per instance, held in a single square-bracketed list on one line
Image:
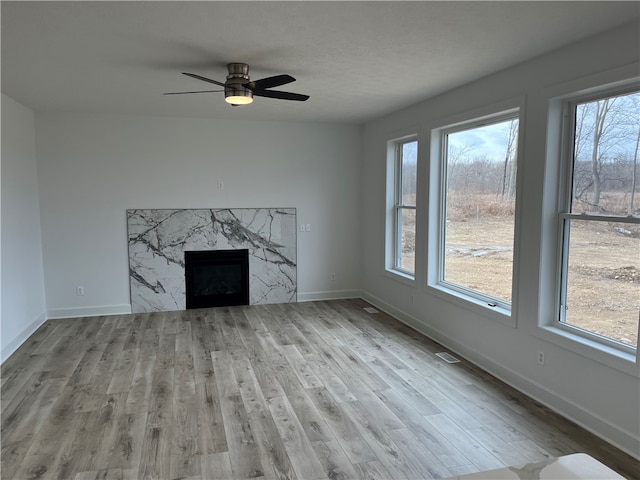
[(551, 149), (396, 206), (479, 302), (568, 108)]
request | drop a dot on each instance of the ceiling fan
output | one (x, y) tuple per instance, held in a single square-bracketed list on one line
[(240, 90)]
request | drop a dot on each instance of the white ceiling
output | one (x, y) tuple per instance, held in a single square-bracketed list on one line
[(357, 60)]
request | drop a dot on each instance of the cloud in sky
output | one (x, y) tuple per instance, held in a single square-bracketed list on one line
[(488, 141)]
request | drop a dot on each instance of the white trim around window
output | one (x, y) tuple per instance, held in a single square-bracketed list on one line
[(401, 211), (483, 303), (559, 158)]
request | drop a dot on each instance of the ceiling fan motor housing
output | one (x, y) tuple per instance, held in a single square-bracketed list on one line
[(237, 78)]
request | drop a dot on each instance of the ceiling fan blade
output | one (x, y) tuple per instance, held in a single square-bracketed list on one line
[(204, 79), (281, 95), (269, 82), (199, 91)]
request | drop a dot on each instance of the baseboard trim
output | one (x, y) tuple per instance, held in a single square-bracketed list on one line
[(22, 337), (616, 436), (329, 295), (92, 311)]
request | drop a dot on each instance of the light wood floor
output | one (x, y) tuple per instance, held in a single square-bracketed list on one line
[(309, 390)]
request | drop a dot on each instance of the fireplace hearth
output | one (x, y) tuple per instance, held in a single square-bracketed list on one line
[(216, 278)]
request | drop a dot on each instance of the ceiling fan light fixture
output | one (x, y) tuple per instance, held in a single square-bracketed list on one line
[(239, 98)]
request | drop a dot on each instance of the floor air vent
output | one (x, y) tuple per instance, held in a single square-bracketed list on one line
[(370, 310), (447, 357)]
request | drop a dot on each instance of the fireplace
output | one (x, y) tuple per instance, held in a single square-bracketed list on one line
[(216, 278), (159, 238)]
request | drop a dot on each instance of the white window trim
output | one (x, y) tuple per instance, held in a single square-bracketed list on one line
[(477, 302), (549, 328), (393, 186), (399, 206)]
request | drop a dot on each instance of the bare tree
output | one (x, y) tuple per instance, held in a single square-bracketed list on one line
[(409, 172), (634, 175), (456, 158), (509, 174), (635, 125), (602, 127), (603, 107)]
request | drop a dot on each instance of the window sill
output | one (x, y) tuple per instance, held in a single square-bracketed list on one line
[(474, 305), (400, 276), (591, 349)]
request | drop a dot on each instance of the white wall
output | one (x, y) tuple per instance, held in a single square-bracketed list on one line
[(94, 167), (600, 394), (22, 288)]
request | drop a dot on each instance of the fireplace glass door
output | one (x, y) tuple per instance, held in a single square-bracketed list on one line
[(216, 278)]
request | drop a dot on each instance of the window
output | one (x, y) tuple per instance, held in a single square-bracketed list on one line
[(477, 215), (599, 219), (405, 157)]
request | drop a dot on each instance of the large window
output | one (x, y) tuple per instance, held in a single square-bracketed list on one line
[(478, 195), (599, 219), (405, 156)]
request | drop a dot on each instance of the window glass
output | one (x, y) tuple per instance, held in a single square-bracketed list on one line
[(605, 156), (601, 244), (480, 192), (407, 240), (603, 281)]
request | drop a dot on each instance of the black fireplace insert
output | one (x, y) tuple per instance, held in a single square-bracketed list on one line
[(216, 278)]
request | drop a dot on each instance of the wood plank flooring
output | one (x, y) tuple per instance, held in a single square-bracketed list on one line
[(316, 390)]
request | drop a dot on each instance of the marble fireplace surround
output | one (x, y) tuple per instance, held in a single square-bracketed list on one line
[(158, 239)]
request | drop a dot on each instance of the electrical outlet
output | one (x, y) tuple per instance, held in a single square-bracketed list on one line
[(79, 290), (540, 358), (333, 277)]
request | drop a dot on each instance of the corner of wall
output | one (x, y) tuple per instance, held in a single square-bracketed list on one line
[(13, 345)]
